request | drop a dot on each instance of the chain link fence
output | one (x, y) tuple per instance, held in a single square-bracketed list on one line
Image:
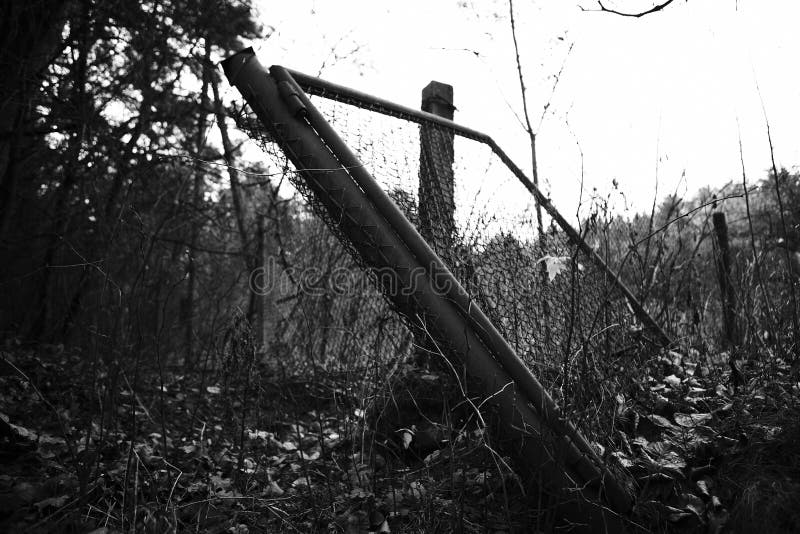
[(564, 315)]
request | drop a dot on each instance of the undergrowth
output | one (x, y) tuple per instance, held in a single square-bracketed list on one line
[(289, 454)]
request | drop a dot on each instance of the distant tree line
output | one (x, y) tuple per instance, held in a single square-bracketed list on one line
[(104, 233)]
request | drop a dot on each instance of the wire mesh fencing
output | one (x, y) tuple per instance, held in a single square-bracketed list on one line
[(566, 317)]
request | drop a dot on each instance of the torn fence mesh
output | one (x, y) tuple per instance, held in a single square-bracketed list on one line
[(572, 325)]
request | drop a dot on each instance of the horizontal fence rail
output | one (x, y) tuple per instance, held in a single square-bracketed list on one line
[(326, 89)]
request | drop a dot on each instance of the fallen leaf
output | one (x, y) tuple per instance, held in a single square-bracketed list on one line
[(259, 434), (218, 483), (197, 487), (658, 420), (691, 420), (693, 504), (23, 433), (432, 457), (622, 459), (677, 515), (406, 437), (703, 434), (273, 490), (417, 490), (662, 404), (672, 381), (308, 457), (672, 461), (555, 265), (52, 502), (704, 485), (659, 448)]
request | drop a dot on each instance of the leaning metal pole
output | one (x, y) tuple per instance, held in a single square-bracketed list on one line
[(420, 287), (439, 273)]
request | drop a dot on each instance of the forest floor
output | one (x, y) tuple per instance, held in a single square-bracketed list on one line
[(279, 454)]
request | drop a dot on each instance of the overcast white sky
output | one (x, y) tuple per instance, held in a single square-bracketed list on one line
[(649, 101)]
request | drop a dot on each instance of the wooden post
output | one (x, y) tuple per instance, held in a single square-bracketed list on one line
[(436, 192), (436, 180), (723, 262)]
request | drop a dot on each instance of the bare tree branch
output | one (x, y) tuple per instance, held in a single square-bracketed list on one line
[(653, 9), (557, 78)]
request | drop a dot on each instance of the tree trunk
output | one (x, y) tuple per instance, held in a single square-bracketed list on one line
[(197, 198), (236, 195), (30, 38), (46, 323)]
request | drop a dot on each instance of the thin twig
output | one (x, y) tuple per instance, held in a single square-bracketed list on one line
[(782, 218), (524, 93), (534, 164), (691, 211), (756, 261), (557, 79), (653, 9)]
